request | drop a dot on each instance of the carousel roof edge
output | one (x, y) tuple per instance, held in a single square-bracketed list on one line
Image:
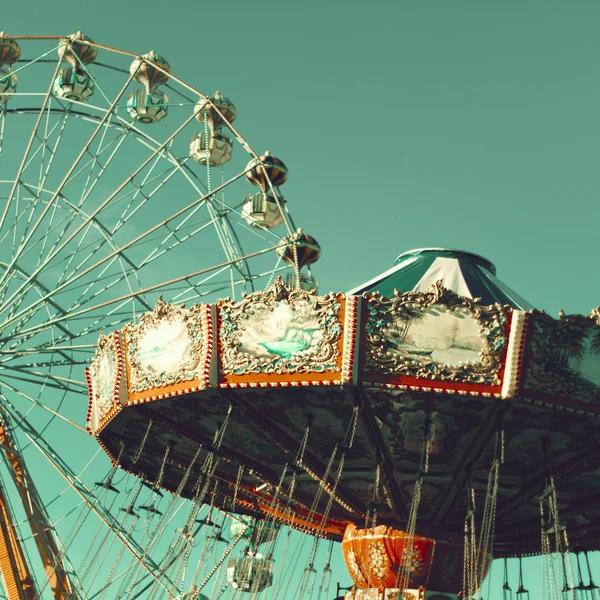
[(465, 273)]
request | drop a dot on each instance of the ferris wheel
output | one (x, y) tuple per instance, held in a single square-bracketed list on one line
[(119, 183), (431, 420)]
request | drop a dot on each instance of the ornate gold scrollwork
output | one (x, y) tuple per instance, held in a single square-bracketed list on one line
[(389, 320), (281, 330), (595, 315), (142, 375), (103, 371)]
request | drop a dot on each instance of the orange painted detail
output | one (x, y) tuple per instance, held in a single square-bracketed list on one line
[(16, 576), (376, 556), (42, 532), (176, 389), (301, 518), (309, 378), (297, 520)]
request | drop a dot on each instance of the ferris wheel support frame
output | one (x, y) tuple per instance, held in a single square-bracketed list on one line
[(46, 450), (52, 556), (203, 198), (14, 568)]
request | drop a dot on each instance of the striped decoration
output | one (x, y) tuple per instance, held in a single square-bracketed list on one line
[(307, 248), (275, 169), (464, 273)]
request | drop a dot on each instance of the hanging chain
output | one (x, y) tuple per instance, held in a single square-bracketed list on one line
[(470, 548), (372, 509), (323, 591), (554, 539), (506, 591), (406, 568), (143, 442), (163, 467), (347, 446), (488, 524), (295, 466), (238, 482)]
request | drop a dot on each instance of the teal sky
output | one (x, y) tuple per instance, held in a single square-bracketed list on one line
[(460, 124), (404, 124)]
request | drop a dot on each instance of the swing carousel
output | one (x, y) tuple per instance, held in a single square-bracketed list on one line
[(430, 420)]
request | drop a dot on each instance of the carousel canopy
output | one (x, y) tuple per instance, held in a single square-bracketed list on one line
[(323, 411), (464, 273)]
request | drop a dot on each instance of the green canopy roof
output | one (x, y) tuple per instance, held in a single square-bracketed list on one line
[(462, 272)]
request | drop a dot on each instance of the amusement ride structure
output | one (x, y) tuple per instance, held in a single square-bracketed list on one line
[(430, 420)]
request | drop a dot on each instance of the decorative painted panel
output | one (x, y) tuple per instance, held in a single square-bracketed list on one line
[(386, 594), (168, 352), (283, 332), (435, 335), (104, 378), (397, 594), (377, 557), (562, 362)]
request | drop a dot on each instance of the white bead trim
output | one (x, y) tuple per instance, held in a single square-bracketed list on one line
[(514, 354)]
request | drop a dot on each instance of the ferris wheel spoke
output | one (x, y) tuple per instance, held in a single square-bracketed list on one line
[(77, 485), (56, 363), (56, 385), (89, 167), (55, 378), (17, 178), (93, 329), (85, 194), (60, 247), (20, 295), (160, 179), (41, 290), (44, 146), (228, 240), (65, 178), (99, 244), (76, 210), (20, 214), (88, 188), (133, 295), (45, 349), (94, 326), (43, 406), (113, 194), (196, 227), (126, 246), (226, 234), (93, 176)]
